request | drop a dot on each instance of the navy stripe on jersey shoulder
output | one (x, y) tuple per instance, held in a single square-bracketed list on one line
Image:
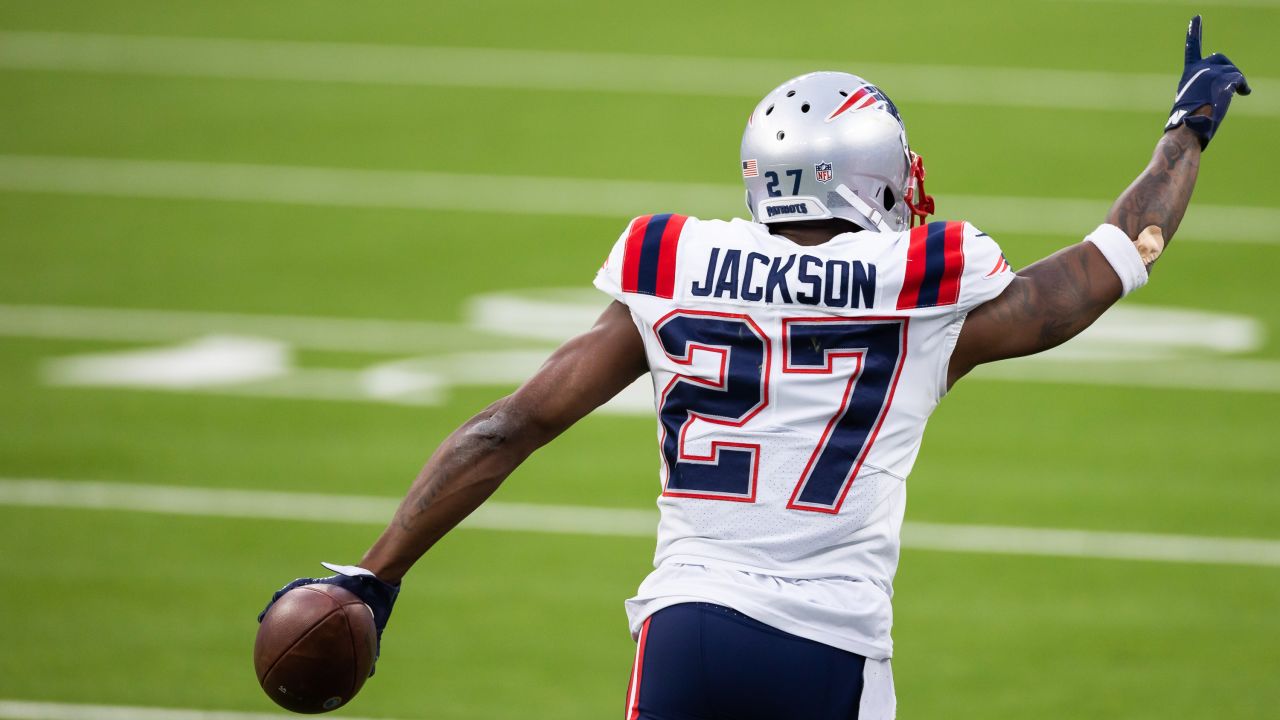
[(650, 251), (935, 264)]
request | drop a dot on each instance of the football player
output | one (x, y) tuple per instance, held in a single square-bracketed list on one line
[(795, 359)]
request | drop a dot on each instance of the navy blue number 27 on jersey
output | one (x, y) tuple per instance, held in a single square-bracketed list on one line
[(872, 351), (813, 345)]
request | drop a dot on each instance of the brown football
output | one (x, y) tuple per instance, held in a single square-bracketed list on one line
[(315, 648)]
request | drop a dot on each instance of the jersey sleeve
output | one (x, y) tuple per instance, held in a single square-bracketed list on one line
[(609, 276), (986, 271), (643, 260)]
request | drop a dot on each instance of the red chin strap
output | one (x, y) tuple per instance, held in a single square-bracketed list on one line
[(922, 206)]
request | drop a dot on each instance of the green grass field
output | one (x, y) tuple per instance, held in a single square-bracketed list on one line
[(112, 607)]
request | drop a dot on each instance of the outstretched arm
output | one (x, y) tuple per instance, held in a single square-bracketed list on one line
[(472, 462), (1056, 298)]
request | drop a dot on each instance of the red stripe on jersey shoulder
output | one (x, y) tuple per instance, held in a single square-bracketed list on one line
[(631, 254), (909, 296), (666, 284), (953, 243)]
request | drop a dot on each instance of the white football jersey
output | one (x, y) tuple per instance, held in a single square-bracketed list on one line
[(792, 385)]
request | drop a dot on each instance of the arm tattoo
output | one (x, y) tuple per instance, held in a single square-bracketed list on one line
[(1067, 301), (1161, 193), (1051, 302), (458, 470)]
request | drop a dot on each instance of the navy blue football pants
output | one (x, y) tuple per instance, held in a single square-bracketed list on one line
[(698, 661)]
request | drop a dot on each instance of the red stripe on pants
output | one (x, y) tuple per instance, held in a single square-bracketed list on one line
[(633, 688)]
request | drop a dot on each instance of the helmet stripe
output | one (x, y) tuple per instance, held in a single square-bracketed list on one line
[(862, 97)]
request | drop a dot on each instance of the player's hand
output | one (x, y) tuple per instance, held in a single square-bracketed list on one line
[(378, 595), (1210, 81)]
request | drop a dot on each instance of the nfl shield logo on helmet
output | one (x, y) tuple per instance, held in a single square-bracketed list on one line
[(822, 171)]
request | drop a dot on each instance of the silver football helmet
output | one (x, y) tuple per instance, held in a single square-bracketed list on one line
[(832, 145)]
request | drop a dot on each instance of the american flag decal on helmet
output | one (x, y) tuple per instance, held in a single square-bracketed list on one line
[(749, 169)]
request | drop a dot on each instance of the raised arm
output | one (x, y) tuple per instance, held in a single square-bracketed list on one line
[(1053, 300), (472, 462), (1160, 195)]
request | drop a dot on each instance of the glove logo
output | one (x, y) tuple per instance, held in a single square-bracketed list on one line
[(1186, 85)]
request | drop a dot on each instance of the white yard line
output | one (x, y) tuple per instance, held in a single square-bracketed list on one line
[(616, 199), (363, 335), (585, 71), (35, 710), (449, 350), (566, 519), (1184, 373), (1091, 544), (268, 505)]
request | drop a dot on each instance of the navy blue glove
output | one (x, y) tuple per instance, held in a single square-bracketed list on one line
[(1208, 81), (378, 595)]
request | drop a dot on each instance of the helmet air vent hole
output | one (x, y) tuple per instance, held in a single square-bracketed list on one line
[(804, 108), (889, 199), (844, 94), (766, 112), (781, 134), (791, 93)]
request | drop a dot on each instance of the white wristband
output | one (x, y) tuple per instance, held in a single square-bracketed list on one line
[(1123, 255)]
